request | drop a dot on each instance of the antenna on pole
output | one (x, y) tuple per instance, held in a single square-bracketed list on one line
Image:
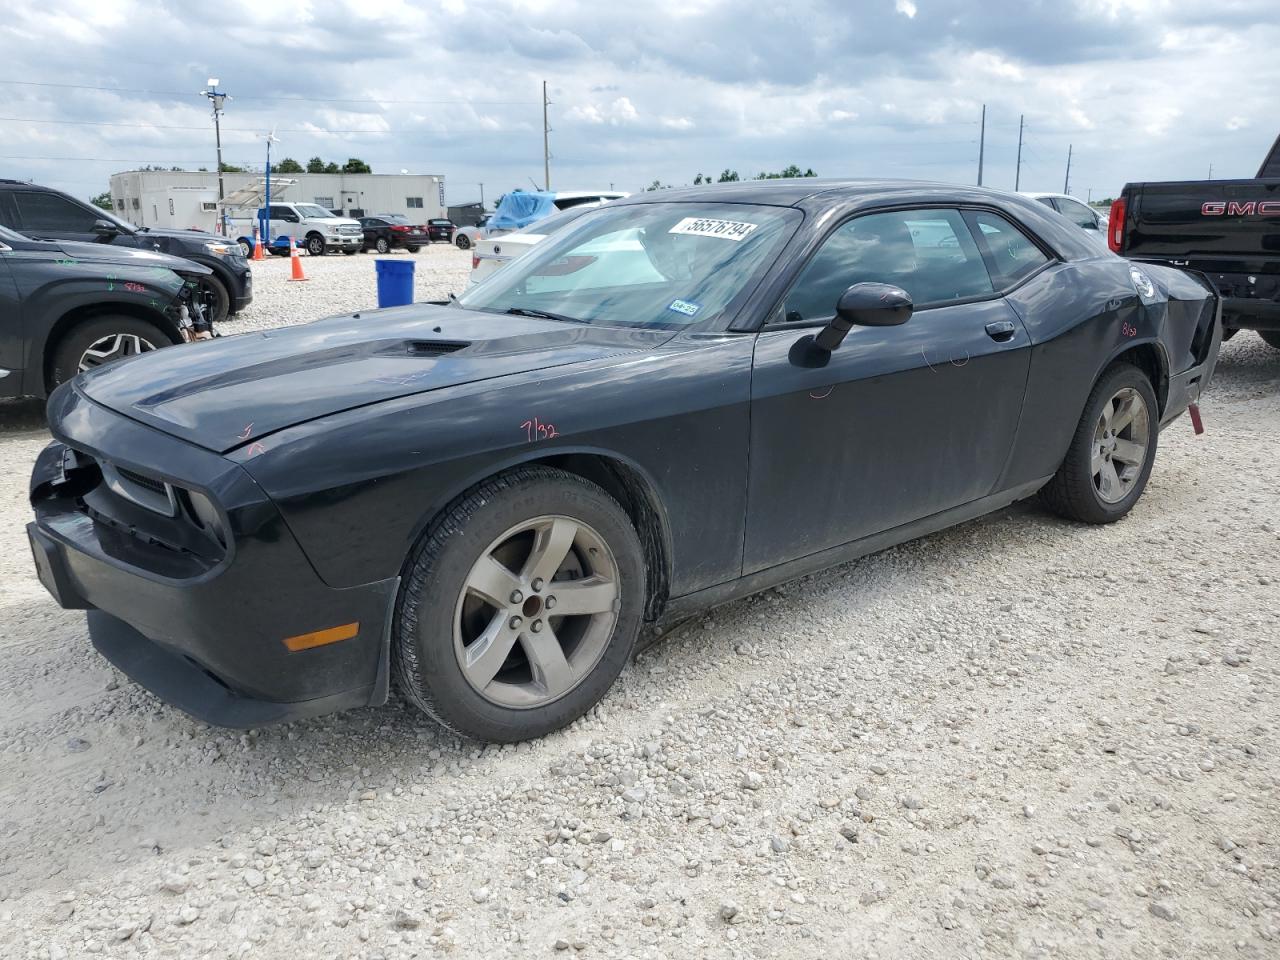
[(982, 142), (546, 143), (1017, 173), (1066, 183)]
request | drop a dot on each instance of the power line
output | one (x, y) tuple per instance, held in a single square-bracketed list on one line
[(176, 93)]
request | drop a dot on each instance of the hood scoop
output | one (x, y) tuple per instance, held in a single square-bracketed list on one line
[(434, 348)]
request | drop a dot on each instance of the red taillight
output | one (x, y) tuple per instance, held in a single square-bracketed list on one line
[(398, 228), (1115, 225), (475, 261)]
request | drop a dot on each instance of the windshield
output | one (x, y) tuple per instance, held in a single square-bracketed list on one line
[(665, 265), (312, 210)]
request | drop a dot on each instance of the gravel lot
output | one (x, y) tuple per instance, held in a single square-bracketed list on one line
[(1015, 738)]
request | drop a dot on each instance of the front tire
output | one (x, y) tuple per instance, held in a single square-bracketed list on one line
[(1270, 337), (520, 606), (381, 245), (1112, 452), (315, 245), (215, 297), (101, 341), (463, 242)]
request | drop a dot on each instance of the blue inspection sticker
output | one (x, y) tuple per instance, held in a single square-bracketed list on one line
[(684, 307)]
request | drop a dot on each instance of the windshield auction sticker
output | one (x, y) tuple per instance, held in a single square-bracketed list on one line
[(734, 230)]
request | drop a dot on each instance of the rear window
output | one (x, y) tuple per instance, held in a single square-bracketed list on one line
[(1011, 253)]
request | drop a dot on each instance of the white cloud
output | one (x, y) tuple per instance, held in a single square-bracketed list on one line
[(905, 7)]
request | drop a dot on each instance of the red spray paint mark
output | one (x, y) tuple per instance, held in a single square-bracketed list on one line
[(1196, 423)]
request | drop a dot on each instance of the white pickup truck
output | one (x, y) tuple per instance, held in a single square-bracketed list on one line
[(318, 230)]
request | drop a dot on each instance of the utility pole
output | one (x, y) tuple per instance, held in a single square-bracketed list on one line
[(546, 143), (217, 99), (482, 198), (982, 142), (1066, 183), (1017, 172), (1211, 171)]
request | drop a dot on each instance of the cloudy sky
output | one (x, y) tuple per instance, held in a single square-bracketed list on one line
[(1141, 89)]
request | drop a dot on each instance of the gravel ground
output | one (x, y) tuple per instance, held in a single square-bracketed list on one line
[(1015, 738)]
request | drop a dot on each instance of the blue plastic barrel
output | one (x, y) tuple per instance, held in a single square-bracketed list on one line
[(395, 282)]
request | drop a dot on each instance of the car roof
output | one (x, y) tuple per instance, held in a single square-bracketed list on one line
[(820, 196), (576, 194)]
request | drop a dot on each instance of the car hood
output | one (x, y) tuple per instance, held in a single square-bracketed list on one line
[(225, 393), (110, 253)]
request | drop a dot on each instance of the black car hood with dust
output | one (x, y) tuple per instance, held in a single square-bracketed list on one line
[(224, 393)]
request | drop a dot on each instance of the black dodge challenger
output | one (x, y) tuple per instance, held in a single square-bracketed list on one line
[(679, 399)]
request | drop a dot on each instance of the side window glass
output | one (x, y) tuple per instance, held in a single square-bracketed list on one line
[(48, 213), (1078, 213), (1010, 253), (928, 253)]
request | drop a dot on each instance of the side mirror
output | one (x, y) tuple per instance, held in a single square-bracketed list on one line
[(865, 305), (105, 229)]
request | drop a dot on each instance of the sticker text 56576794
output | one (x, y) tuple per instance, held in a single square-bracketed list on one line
[(734, 230)]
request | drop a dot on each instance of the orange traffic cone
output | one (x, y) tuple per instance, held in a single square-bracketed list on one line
[(296, 262), (257, 246)]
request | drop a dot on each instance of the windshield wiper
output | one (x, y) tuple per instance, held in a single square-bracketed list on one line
[(541, 314)]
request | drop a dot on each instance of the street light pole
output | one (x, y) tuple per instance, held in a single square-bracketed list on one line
[(217, 99), (546, 144)]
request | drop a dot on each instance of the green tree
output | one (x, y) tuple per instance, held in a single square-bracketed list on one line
[(231, 168), (315, 165), (700, 179), (331, 167), (356, 165), (790, 172), (728, 176), (287, 165), (102, 200), (656, 185)]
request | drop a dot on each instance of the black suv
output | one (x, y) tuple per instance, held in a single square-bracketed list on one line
[(66, 307), (45, 214)]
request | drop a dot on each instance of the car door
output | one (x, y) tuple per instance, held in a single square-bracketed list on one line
[(901, 422), (48, 216), (283, 222), (12, 335)]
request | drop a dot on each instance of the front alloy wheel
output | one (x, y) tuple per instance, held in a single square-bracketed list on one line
[(519, 606), (536, 612), (114, 346)]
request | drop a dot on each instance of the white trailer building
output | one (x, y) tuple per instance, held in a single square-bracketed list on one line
[(189, 199)]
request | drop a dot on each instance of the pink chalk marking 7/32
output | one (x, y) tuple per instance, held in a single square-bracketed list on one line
[(535, 430)]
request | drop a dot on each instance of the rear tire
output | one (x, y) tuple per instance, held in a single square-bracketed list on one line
[(1270, 337), (476, 584), (1109, 461), (91, 344)]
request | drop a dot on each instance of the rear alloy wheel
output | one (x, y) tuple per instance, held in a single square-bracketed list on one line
[(1270, 337), (1110, 458), (520, 607), (103, 341), (463, 242), (381, 245), (315, 245)]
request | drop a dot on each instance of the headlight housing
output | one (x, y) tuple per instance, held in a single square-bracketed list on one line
[(206, 515), (220, 249)]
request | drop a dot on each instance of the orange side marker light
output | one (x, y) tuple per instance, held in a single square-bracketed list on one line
[(305, 641)]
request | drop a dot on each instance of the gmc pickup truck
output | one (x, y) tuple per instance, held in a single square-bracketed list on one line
[(1227, 229)]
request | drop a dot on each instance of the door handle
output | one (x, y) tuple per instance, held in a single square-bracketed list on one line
[(1001, 331)]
